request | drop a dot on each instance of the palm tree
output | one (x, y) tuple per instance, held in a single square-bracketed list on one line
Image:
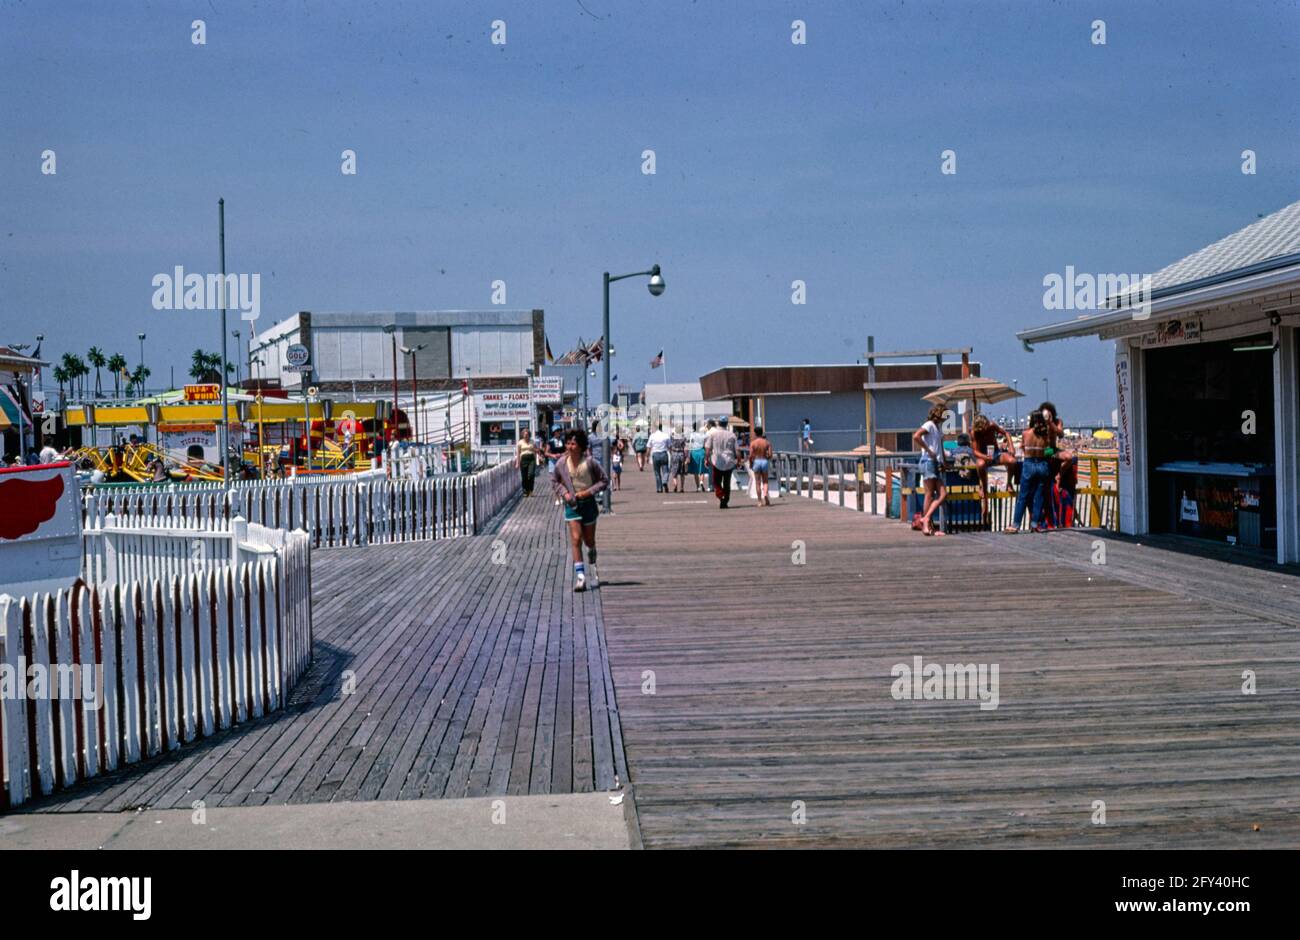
[(198, 364), (61, 376), (117, 365), (75, 369), (96, 358), (138, 377), (80, 370)]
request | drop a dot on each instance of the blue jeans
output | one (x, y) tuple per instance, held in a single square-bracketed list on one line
[(659, 461), (1035, 478)]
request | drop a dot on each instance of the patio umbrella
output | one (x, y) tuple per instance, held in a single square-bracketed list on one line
[(975, 389)]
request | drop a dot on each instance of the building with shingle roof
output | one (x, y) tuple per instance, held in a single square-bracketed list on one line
[(1207, 372)]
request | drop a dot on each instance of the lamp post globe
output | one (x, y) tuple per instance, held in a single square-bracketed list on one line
[(656, 285)]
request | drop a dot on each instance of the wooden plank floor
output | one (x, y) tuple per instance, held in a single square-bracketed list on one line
[(472, 678), (1120, 683)]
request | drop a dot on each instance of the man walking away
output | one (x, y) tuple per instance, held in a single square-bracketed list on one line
[(659, 442), (805, 436), (720, 449)]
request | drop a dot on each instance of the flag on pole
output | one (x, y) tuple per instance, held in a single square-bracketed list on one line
[(550, 356), (658, 360)]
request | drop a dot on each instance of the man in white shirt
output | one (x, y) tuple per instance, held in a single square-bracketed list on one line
[(720, 451), (659, 442)]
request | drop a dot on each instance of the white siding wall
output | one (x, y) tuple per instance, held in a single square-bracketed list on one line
[(343, 353), (491, 350)]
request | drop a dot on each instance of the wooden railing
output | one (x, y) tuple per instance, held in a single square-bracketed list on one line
[(1096, 503), (139, 667)]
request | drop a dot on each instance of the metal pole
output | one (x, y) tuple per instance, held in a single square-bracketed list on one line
[(22, 436), (604, 426), (871, 424), (394, 335), (415, 400), (225, 398), (306, 409)]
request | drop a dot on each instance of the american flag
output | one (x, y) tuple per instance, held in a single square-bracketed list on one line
[(658, 360)]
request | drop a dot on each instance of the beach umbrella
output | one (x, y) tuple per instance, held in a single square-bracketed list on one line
[(975, 389)]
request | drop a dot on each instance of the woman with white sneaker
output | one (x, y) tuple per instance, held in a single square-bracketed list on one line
[(578, 478)]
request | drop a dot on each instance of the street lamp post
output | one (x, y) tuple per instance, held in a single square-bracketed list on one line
[(225, 395), (1047, 391), (656, 287), (391, 330), (1015, 387), (415, 392)]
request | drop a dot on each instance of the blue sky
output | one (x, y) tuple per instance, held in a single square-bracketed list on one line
[(522, 163)]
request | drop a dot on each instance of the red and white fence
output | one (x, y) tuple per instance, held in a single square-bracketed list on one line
[(169, 660)]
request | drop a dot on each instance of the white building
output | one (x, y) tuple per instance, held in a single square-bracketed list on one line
[(1207, 392)]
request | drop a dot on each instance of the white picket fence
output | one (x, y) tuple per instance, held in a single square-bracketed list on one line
[(366, 511), (134, 548), (182, 657)]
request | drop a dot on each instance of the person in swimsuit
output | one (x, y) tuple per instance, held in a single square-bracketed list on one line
[(760, 457), (578, 479), (1035, 475), (985, 436)]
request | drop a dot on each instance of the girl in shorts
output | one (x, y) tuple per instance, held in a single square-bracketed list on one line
[(578, 478)]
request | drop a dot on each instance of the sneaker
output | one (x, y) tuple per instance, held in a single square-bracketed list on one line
[(592, 581), (580, 582)]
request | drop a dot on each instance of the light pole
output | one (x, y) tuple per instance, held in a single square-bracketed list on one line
[(415, 392), (225, 397), (656, 287), (1047, 392), (141, 338), (1015, 387), (391, 330), (238, 357)]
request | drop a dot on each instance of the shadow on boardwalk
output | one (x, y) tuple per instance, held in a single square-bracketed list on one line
[(466, 677), (772, 684)]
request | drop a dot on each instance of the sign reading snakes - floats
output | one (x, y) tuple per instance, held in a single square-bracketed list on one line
[(40, 527)]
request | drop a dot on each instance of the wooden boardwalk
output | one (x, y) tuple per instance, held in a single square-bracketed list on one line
[(746, 691), (468, 676), (772, 684)]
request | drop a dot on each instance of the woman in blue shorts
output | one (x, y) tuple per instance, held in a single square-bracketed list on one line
[(578, 478)]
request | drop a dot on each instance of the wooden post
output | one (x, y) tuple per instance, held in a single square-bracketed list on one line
[(1094, 483), (238, 534), (858, 472)]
